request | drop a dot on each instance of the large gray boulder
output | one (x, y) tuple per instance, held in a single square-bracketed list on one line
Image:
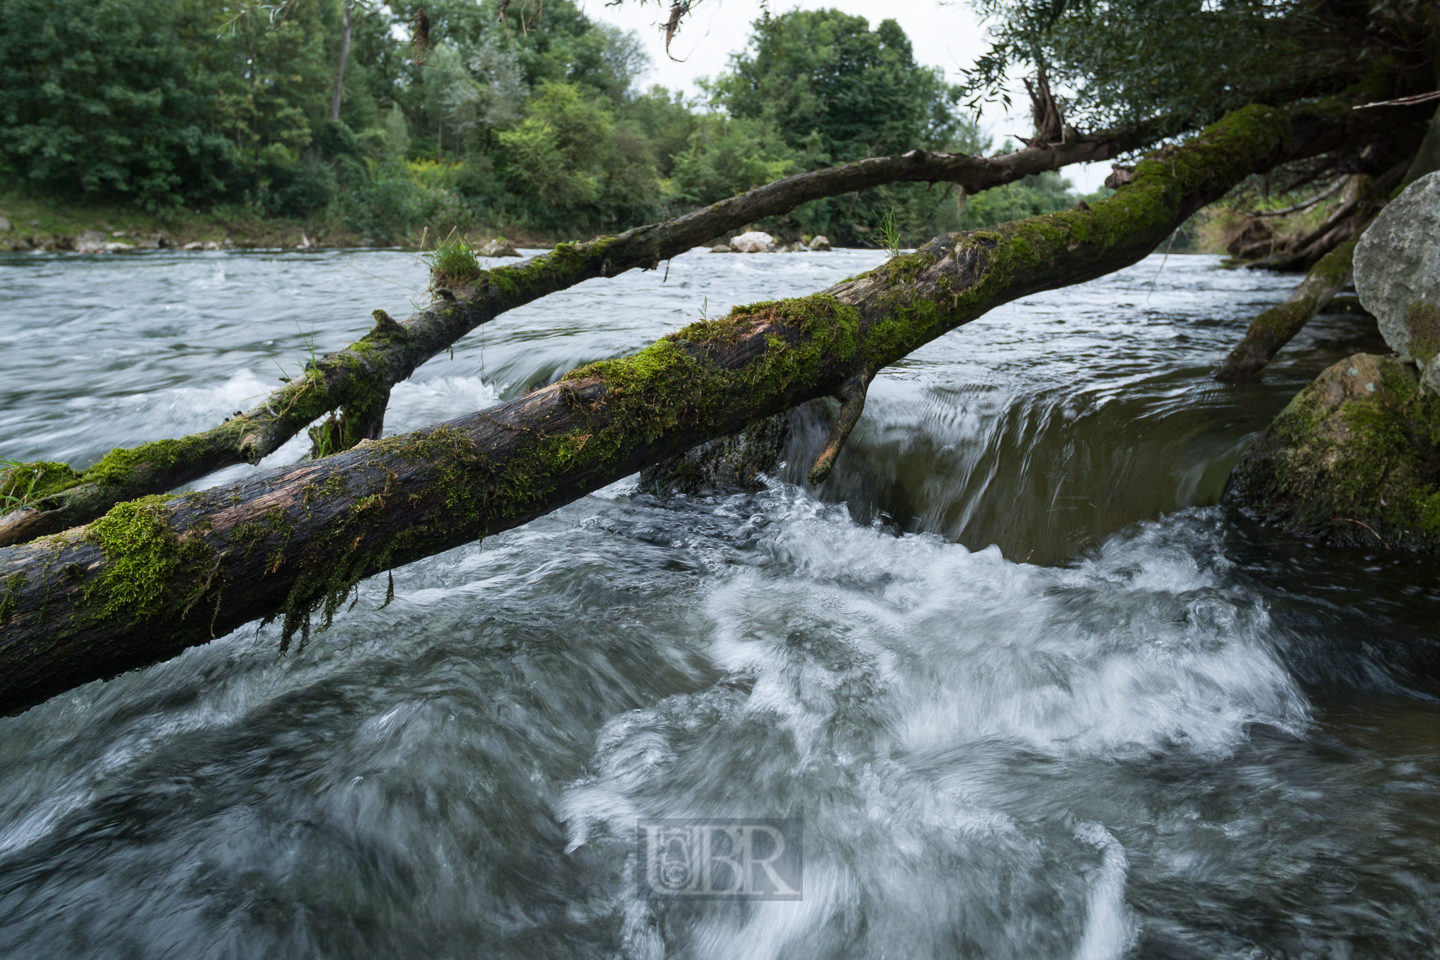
[(1397, 275)]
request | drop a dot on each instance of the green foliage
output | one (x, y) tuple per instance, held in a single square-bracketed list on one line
[(569, 160), (1122, 60), (890, 234), (98, 97), (725, 156), (832, 90), (1047, 192), (23, 484), (453, 264), (530, 122)]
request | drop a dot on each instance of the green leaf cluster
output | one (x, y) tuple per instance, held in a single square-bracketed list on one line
[(1116, 61), (530, 122)]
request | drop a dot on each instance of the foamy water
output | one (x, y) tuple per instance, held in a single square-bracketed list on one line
[(1030, 692)]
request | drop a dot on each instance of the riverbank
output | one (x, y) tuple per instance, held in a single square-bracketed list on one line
[(28, 223)]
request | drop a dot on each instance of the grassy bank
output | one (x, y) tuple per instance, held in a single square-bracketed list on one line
[(48, 224)]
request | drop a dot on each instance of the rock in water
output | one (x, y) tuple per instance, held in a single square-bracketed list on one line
[(1397, 274), (90, 241), (720, 248), (820, 244), (753, 242), (498, 247), (733, 462), (1354, 459)]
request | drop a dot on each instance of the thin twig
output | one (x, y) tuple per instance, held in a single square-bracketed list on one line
[(1367, 527), (1402, 101), (1162, 262)]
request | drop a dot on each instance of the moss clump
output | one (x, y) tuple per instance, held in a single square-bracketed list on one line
[(1353, 459), (13, 585), (453, 264), (1423, 325), (151, 571), (24, 484)]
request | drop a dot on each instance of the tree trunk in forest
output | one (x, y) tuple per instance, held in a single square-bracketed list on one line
[(357, 379), (1273, 329), (344, 58), (154, 576)]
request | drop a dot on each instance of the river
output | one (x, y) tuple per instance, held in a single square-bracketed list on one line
[(1029, 690)]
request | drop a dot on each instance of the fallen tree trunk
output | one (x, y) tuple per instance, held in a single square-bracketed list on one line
[(1273, 329), (357, 379), (156, 575)]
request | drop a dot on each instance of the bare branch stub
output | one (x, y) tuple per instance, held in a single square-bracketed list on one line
[(420, 34), (677, 12), (1049, 124)]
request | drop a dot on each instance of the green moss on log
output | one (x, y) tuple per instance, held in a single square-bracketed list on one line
[(151, 572), (1422, 322), (28, 483)]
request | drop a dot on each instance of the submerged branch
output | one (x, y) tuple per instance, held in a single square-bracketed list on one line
[(357, 379), (157, 575), (1273, 329)]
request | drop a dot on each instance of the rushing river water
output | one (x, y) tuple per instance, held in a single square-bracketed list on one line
[(1031, 692)]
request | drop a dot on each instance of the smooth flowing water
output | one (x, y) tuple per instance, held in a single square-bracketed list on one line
[(1031, 692)]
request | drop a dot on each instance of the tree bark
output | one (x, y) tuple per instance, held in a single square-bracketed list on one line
[(344, 58), (357, 379), (157, 575), (1273, 329)]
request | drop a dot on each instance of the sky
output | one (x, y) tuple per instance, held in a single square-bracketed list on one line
[(946, 35)]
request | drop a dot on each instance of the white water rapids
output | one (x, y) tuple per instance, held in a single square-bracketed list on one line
[(1032, 694)]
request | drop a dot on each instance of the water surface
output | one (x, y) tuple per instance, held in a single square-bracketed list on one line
[(1031, 692)]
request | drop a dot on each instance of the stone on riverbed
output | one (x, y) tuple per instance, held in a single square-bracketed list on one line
[(820, 244), (733, 462), (1354, 459), (498, 247), (753, 242), (1397, 275)]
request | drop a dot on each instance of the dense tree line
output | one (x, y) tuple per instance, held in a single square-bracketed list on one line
[(456, 115)]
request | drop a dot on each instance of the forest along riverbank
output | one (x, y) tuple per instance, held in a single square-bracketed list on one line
[(1028, 691)]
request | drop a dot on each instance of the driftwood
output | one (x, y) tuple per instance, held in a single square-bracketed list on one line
[(1273, 329), (357, 379), (156, 575)]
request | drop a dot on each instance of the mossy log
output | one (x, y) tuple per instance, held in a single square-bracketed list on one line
[(154, 576), (1354, 460), (357, 379), (1273, 329)]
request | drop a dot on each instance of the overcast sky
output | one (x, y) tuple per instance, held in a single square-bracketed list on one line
[(946, 35)]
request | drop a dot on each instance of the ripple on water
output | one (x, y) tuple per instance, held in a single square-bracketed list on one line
[(1165, 735)]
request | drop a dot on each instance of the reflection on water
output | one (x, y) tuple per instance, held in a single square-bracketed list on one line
[(1031, 694)]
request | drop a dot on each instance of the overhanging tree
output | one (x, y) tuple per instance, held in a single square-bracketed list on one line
[(354, 383), (156, 575)]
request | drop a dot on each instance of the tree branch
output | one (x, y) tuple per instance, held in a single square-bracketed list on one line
[(154, 576), (1273, 329), (358, 378)]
